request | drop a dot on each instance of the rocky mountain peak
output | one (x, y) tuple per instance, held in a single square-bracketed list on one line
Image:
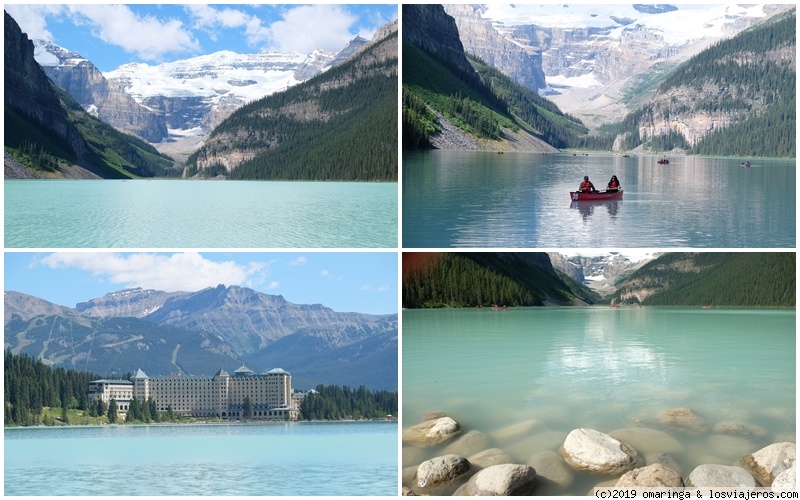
[(101, 98)]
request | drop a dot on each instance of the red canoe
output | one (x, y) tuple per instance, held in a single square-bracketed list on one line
[(599, 195)]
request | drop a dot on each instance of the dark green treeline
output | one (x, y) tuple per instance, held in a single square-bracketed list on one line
[(336, 403), (30, 386)]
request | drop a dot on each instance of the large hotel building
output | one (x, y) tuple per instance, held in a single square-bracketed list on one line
[(219, 396)]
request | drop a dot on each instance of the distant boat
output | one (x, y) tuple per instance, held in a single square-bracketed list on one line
[(663, 161)]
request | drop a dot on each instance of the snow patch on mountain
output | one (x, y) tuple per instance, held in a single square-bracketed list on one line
[(211, 76), (678, 27)]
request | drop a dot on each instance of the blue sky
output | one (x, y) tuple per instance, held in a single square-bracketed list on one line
[(364, 282), (112, 35)]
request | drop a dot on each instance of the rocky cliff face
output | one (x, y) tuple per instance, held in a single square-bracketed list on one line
[(104, 100), (432, 29), (523, 62), (29, 91)]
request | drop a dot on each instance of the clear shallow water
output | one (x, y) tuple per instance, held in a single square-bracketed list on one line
[(514, 200), (199, 214), (274, 459), (602, 368)]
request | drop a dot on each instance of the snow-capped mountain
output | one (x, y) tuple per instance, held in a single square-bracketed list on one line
[(592, 54), (599, 270), (196, 94), (183, 98), (103, 99)]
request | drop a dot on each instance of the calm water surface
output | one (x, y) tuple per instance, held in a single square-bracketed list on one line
[(195, 214), (606, 369), (486, 200), (272, 459)]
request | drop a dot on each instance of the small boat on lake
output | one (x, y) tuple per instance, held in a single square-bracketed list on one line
[(663, 161), (594, 196)]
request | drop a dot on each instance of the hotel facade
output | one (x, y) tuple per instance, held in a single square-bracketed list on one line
[(222, 396)]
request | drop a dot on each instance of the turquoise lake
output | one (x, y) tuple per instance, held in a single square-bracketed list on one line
[(199, 214), (560, 369), (521, 200), (331, 459)]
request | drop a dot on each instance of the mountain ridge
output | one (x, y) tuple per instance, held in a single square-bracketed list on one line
[(200, 332)]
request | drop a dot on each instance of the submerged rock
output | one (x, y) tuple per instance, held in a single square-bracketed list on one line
[(500, 480), (468, 444), (664, 459), (552, 472), (594, 451), (514, 432), (440, 475), (726, 445), (769, 462), (492, 456), (682, 418), (722, 476), (739, 429), (646, 440), (545, 441), (431, 432), (652, 476)]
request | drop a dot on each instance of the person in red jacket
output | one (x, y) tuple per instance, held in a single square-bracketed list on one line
[(586, 186), (613, 185)]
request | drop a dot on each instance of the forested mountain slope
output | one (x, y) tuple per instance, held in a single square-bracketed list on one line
[(713, 279), (48, 134), (339, 125), (736, 98), (439, 77), (486, 279)]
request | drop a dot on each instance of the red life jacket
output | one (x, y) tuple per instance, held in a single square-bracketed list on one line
[(586, 186)]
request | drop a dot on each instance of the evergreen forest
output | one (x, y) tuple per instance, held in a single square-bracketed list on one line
[(745, 279), (340, 125), (486, 279), (345, 403), (30, 387)]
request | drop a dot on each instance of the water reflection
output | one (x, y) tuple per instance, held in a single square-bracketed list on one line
[(587, 208)]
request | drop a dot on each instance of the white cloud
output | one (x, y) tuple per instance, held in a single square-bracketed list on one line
[(308, 27), (146, 36), (210, 19), (299, 261), (32, 19), (170, 273)]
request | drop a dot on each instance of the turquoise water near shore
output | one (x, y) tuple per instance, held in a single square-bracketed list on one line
[(331, 458), (608, 369), (199, 214)]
